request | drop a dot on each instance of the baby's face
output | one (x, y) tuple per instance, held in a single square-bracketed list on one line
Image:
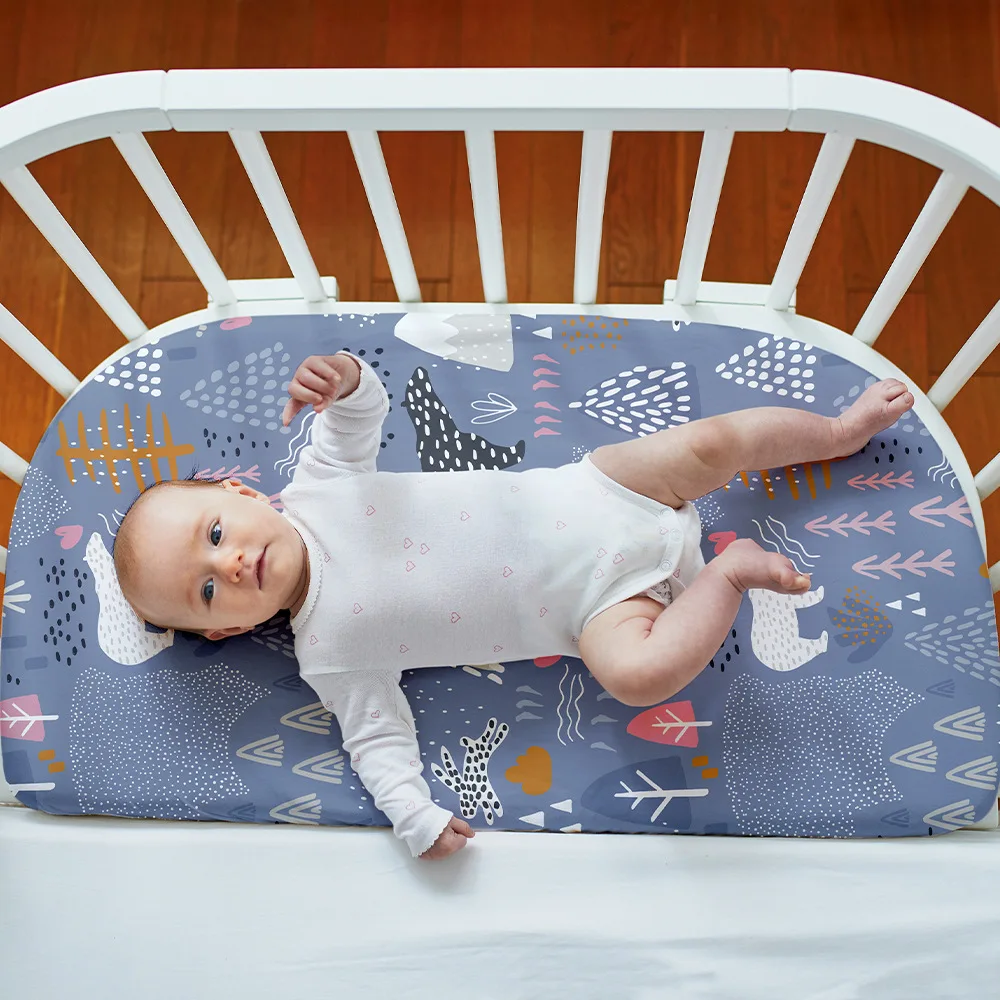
[(217, 560)]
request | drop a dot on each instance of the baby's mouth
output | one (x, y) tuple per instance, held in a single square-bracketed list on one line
[(260, 569)]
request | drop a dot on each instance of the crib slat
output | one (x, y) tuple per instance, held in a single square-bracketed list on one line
[(266, 183), (48, 220), (481, 150), (375, 178), (933, 217), (712, 161), (995, 577), (988, 478), (964, 365), (3, 561), (12, 465), (594, 164), (823, 181), (24, 343), (143, 163)]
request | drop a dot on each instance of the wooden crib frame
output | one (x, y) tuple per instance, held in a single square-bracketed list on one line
[(479, 102)]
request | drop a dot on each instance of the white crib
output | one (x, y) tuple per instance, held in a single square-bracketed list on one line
[(92, 906)]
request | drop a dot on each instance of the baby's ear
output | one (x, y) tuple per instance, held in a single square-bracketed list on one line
[(235, 486), (225, 633)]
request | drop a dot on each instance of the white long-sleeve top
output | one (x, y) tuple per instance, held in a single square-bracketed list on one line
[(430, 569)]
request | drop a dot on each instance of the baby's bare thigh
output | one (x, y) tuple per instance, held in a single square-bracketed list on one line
[(611, 643)]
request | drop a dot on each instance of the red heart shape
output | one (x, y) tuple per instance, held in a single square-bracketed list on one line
[(722, 539)]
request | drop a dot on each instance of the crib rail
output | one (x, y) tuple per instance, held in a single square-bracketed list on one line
[(479, 102)]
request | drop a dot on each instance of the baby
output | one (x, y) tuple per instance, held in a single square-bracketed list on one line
[(383, 572)]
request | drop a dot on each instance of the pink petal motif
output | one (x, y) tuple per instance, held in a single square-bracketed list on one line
[(358, 609), (410, 565), (403, 648), (313, 640), (545, 405), (544, 371), (545, 432), (544, 384), (545, 357), (547, 420), (235, 322), (70, 535), (455, 617), (21, 718)]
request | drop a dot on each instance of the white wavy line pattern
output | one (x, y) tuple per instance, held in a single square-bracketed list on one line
[(295, 448)]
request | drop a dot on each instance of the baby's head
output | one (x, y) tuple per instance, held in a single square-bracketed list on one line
[(208, 557)]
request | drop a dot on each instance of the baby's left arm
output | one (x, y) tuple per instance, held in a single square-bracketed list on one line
[(380, 737)]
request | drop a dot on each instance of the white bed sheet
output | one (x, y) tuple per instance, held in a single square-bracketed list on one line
[(106, 908)]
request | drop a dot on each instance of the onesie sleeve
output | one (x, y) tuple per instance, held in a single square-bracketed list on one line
[(346, 437), (381, 741)]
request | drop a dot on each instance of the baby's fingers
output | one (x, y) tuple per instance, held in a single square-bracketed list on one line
[(300, 396)]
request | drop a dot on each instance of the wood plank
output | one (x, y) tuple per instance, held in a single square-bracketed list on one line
[(904, 339), (494, 35), (198, 33), (330, 204), (422, 164), (383, 290), (555, 156), (164, 299), (643, 219)]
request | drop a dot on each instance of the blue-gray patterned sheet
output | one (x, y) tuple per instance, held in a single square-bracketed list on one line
[(868, 707)]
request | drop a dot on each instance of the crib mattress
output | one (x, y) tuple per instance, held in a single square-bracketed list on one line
[(867, 709)]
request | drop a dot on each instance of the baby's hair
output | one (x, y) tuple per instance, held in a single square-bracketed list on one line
[(123, 550)]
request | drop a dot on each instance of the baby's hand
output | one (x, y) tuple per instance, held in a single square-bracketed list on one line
[(321, 380), (453, 838)]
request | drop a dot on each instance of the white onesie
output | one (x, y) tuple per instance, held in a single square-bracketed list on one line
[(445, 568)]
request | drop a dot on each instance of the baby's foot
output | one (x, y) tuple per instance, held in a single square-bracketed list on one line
[(878, 407), (747, 566)]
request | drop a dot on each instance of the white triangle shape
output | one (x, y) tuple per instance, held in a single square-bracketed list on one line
[(545, 332), (920, 611), (898, 605), (915, 596), (565, 806), (575, 828), (535, 819)]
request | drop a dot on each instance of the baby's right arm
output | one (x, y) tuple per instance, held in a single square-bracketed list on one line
[(380, 737)]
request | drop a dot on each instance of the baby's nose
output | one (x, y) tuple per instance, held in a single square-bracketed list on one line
[(234, 566)]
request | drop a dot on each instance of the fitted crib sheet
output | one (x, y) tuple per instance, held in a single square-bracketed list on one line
[(866, 708)]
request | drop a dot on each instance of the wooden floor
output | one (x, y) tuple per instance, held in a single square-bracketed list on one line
[(950, 48)]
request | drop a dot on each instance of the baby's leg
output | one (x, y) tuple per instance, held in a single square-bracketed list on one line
[(643, 653), (687, 462)]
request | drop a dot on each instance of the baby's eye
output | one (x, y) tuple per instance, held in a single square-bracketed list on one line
[(208, 591), (215, 534)]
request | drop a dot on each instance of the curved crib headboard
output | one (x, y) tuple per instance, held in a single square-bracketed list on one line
[(479, 102)]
